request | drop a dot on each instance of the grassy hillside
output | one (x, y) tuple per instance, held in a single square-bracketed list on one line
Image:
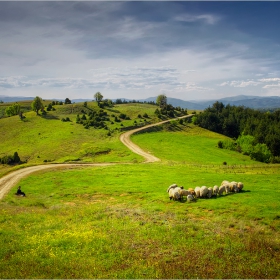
[(39, 139), (188, 144), (118, 222)]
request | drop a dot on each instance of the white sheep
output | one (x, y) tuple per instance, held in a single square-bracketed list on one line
[(210, 191), (222, 189), (224, 182), (173, 186), (191, 190), (174, 194), (197, 192), (190, 198), (240, 186), (203, 191), (184, 192), (233, 187), (215, 190)]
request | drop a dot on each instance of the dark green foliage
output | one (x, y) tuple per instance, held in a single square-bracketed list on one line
[(66, 119), (157, 112), (10, 159), (247, 145), (37, 105), (145, 115), (49, 108), (162, 101), (85, 104), (122, 116), (13, 110), (16, 158), (67, 101), (232, 121)]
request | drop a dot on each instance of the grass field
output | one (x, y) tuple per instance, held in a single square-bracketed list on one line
[(118, 222)]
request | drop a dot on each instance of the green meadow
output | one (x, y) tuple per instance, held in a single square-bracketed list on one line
[(117, 221)]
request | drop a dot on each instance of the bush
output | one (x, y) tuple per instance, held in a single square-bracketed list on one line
[(10, 159), (220, 144), (122, 116)]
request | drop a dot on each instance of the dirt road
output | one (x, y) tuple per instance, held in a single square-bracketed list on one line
[(125, 138), (9, 180)]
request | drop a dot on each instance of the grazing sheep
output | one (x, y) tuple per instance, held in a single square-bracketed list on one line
[(190, 198), (215, 190), (174, 194), (173, 186), (191, 190), (210, 191), (203, 191), (240, 186), (233, 187), (224, 182), (183, 192), (222, 189), (197, 192)]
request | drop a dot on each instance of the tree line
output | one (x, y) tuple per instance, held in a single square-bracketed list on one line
[(238, 121)]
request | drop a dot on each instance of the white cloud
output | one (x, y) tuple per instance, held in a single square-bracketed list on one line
[(207, 18)]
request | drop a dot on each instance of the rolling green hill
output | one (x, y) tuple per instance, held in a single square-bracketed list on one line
[(39, 139), (117, 221)]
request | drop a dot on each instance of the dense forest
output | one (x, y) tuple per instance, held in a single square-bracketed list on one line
[(238, 121)]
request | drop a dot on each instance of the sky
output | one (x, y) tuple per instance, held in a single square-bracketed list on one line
[(139, 49)]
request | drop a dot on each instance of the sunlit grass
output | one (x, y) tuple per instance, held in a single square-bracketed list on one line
[(118, 222)]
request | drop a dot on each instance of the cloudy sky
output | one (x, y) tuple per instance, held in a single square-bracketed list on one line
[(187, 50)]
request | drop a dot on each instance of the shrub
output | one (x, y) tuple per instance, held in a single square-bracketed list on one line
[(122, 116), (220, 144), (145, 115)]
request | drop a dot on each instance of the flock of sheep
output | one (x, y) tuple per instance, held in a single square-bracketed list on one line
[(178, 193)]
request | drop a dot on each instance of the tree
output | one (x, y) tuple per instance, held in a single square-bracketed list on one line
[(67, 101), (37, 104), (13, 110), (162, 101), (98, 97)]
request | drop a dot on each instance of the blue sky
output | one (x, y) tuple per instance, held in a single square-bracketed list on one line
[(131, 49)]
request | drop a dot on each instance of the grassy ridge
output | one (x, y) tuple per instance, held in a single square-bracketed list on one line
[(38, 139), (189, 144), (117, 222)]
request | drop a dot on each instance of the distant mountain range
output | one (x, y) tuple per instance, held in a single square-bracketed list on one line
[(255, 102)]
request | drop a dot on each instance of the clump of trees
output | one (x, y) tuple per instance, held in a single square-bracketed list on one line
[(94, 118), (10, 159), (238, 121), (247, 145), (37, 105), (13, 110), (67, 101), (167, 110)]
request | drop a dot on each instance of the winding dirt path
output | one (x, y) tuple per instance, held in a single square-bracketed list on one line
[(9, 180), (125, 138)]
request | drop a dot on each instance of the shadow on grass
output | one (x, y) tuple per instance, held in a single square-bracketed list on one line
[(113, 110), (50, 117)]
